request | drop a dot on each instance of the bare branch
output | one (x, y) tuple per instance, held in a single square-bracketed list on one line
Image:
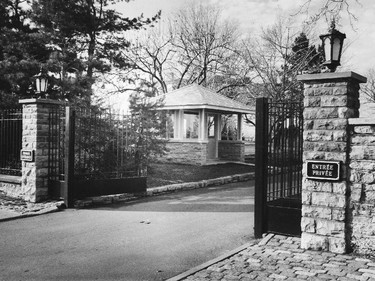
[(328, 10)]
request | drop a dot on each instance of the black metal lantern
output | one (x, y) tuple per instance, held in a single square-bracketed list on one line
[(41, 82), (332, 45)]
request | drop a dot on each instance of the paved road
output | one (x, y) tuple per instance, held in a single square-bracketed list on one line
[(151, 239)]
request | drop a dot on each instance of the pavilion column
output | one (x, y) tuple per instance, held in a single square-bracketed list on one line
[(203, 135), (239, 126), (179, 124), (218, 126), (175, 124)]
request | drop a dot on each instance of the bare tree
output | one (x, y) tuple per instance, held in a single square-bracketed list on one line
[(198, 47), (152, 56), (277, 58), (204, 42), (328, 10), (145, 59)]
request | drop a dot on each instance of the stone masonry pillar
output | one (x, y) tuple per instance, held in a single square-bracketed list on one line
[(35, 114), (330, 99)]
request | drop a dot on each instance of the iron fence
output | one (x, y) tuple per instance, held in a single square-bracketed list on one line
[(106, 145), (102, 145), (10, 141)]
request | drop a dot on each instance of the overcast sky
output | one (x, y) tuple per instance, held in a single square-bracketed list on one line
[(252, 15)]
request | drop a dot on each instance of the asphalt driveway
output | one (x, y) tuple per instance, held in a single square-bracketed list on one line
[(150, 239)]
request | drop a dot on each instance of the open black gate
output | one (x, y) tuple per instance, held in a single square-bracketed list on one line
[(93, 153), (278, 170)]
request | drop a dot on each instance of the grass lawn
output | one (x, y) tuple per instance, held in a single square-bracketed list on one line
[(163, 174)]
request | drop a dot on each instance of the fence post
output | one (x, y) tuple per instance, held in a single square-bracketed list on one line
[(261, 135), (330, 99), (35, 129), (69, 156)]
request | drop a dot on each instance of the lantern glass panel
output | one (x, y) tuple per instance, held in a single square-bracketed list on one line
[(44, 88), (41, 85), (37, 85), (327, 48), (336, 49)]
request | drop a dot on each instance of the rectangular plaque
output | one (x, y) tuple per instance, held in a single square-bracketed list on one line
[(27, 155), (323, 170)]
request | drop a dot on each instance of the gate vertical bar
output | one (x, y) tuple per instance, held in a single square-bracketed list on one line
[(69, 155), (290, 148), (261, 147)]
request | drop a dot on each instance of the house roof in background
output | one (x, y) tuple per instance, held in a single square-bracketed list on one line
[(195, 96)]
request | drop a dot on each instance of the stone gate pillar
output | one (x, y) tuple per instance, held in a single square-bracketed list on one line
[(330, 99), (34, 155)]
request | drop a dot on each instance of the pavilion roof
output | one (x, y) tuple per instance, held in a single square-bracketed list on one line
[(195, 96)]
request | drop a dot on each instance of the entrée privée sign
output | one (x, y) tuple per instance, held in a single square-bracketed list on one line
[(323, 170)]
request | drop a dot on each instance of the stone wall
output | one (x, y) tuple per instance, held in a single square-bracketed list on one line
[(231, 150), (362, 185), (10, 185), (195, 152), (330, 100), (185, 152)]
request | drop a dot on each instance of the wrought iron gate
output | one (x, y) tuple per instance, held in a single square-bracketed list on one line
[(58, 139), (93, 153), (278, 170)]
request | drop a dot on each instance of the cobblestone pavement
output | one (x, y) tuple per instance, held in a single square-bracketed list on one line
[(13, 207), (280, 258)]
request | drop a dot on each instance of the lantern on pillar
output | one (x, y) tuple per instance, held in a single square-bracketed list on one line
[(332, 43), (41, 82)]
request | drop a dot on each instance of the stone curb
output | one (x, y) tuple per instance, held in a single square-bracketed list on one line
[(200, 184), (58, 207), (154, 191), (105, 200), (205, 265), (266, 239), (211, 262)]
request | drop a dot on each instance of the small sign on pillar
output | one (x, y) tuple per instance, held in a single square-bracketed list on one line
[(323, 170), (27, 155)]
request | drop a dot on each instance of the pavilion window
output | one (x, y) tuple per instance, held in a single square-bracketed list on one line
[(191, 125), (211, 126), (229, 127)]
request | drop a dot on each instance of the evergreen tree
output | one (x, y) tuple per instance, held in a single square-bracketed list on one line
[(148, 123), (22, 48), (72, 39), (303, 58), (86, 36)]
